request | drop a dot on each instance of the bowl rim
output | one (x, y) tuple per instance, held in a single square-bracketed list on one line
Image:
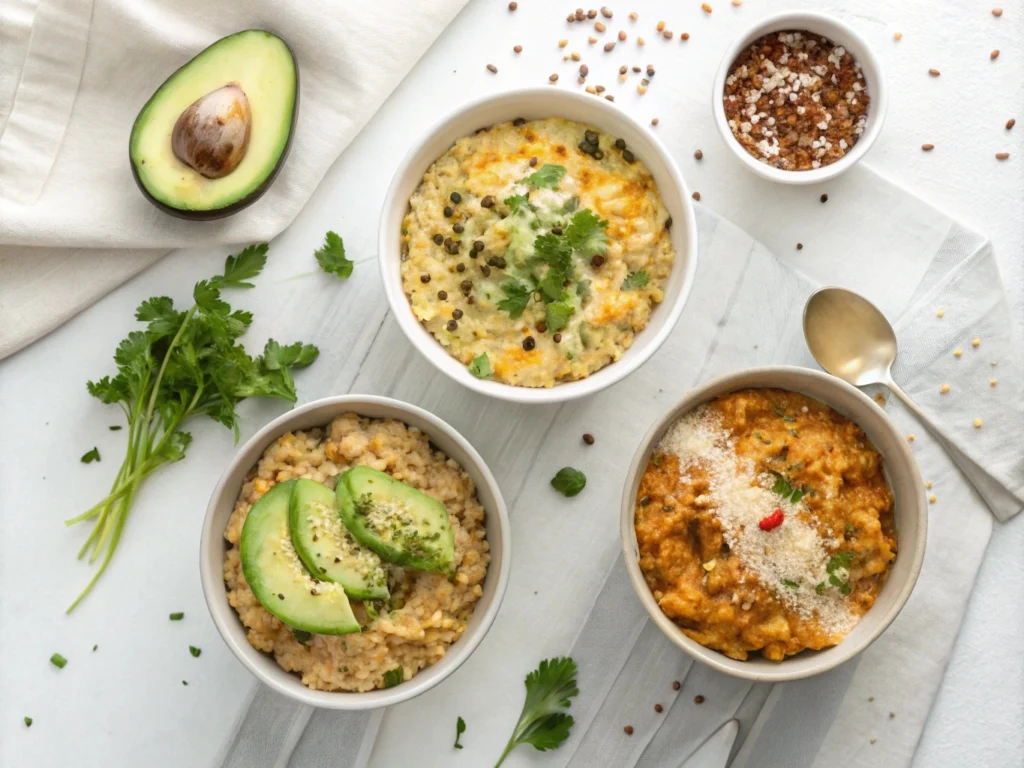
[(914, 549), (226, 619), (642, 349), (869, 62)]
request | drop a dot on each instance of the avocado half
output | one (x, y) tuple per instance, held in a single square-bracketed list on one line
[(230, 112)]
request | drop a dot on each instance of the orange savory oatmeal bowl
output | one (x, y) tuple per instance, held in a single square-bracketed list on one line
[(764, 524)]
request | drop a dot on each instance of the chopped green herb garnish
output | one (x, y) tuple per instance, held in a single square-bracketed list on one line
[(481, 366), (820, 588), (460, 728), (90, 456), (517, 203), (849, 530), (114, 427), (762, 438), (635, 280), (570, 356), (583, 289), (95, 647), (791, 584), (569, 481), (331, 257), (556, 252), (785, 490), (184, 682), (176, 616), (195, 651), (58, 661), (586, 233), (393, 677), (840, 561), (517, 297), (28, 722), (184, 364), (557, 314), (793, 432), (544, 723), (302, 636), (782, 413), (548, 176)]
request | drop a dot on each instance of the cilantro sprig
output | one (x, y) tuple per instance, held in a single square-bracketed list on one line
[(184, 363), (481, 366), (787, 491), (634, 280), (548, 176), (517, 297), (460, 728), (331, 257), (838, 569), (544, 723), (586, 233)]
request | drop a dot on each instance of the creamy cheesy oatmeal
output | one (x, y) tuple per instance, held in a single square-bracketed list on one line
[(765, 524), (535, 251)]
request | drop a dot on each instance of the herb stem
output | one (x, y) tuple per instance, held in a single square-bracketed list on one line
[(508, 748)]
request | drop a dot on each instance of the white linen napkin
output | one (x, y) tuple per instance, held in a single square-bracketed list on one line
[(744, 310), (75, 73)]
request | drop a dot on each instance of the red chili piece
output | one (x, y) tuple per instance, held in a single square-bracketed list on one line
[(774, 520)]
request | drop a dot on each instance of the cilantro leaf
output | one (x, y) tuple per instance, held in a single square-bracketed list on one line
[(481, 366), (238, 270), (568, 481), (297, 355), (838, 571), (787, 491), (302, 636), (548, 176), (791, 584), (517, 203), (331, 257), (90, 456), (460, 728), (393, 677), (195, 651), (517, 297), (556, 252), (634, 280), (557, 314), (586, 233), (549, 690)]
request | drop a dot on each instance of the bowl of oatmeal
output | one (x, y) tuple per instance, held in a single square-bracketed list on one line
[(774, 523), (537, 245), (355, 552), (799, 97)]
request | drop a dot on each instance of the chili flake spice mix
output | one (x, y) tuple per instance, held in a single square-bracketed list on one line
[(796, 100)]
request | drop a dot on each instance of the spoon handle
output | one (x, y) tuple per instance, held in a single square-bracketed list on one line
[(990, 489)]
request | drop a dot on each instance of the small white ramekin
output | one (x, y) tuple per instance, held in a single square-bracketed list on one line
[(319, 413), (911, 512), (837, 31), (536, 103)]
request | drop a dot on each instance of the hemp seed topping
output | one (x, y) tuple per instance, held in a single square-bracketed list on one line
[(796, 100)]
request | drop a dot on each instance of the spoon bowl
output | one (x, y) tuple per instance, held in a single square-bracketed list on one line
[(849, 336)]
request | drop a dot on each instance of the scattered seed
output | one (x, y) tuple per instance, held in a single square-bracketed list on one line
[(957, 352), (871, 698), (599, 26), (696, 196), (995, 363), (492, 68), (622, 35), (574, 56), (610, 97), (667, 34), (1002, 155), (512, 6), (993, 382), (660, 26), (684, 36), (654, 121), (698, 699), (553, 77), (636, 69), (584, 70), (658, 708), (927, 485), (588, 438), (591, 14), (799, 246), (944, 389), (824, 198), (517, 48), (934, 72), (633, 16), (641, 89), (608, 47), (600, 88), (640, 41), (940, 312), (977, 423), (911, 438), (629, 730), (699, 155), (927, 147), (675, 685), (591, 40), (562, 43), (975, 342), (932, 499), (997, 12), (897, 35), (994, 54), (705, 7), (1010, 123), (623, 69), (606, 11)]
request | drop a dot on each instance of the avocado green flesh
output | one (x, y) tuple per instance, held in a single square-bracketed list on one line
[(401, 524), (328, 549), (278, 578), (263, 67)]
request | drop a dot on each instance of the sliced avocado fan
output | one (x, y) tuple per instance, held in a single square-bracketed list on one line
[(328, 549), (401, 524), (278, 578)]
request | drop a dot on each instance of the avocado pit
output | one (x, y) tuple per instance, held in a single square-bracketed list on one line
[(212, 135)]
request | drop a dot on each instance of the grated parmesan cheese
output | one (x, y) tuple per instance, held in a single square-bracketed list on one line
[(794, 552)]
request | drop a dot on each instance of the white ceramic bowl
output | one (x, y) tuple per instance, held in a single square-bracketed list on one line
[(911, 511), (837, 31), (318, 414), (535, 103)]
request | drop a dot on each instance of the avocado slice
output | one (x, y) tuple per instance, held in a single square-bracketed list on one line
[(401, 524), (277, 576), (328, 549), (212, 138)]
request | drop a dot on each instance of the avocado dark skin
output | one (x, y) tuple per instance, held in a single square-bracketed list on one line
[(257, 193)]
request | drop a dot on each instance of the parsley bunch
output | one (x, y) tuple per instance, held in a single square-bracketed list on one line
[(543, 721), (185, 363)]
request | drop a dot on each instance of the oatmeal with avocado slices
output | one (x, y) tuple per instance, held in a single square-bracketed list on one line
[(765, 524), (534, 251), (357, 553)]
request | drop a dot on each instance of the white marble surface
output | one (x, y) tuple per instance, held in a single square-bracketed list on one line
[(125, 704)]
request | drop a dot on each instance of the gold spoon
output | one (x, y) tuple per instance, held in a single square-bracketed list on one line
[(851, 339)]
